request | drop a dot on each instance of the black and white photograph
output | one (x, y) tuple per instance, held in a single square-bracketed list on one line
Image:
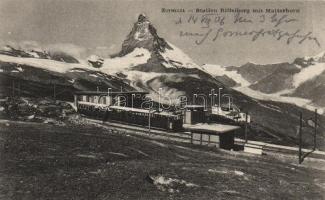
[(162, 99)]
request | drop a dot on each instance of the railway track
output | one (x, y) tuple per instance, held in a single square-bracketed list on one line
[(281, 149), (144, 131), (268, 149)]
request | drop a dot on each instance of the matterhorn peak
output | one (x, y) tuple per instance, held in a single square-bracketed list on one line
[(144, 38), (143, 35), (142, 18)]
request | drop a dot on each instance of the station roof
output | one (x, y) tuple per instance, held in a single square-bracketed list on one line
[(194, 106), (130, 109), (210, 128), (105, 93)]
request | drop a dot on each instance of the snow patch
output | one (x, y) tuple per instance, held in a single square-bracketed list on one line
[(170, 184), (76, 70), (87, 156), (217, 70), (94, 58), (45, 64), (239, 173), (300, 102), (72, 81), (31, 117), (143, 33), (118, 154), (93, 75), (318, 58), (217, 171), (32, 53), (137, 57), (298, 66), (137, 77), (236, 172), (308, 73), (177, 57)]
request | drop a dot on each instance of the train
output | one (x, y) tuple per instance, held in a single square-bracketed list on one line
[(126, 107), (135, 116)]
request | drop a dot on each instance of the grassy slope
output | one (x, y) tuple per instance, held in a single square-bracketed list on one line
[(51, 162)]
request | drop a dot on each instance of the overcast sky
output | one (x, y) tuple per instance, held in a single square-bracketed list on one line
[(101, 26)]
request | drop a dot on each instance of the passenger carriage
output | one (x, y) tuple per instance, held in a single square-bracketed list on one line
[(107, 106)]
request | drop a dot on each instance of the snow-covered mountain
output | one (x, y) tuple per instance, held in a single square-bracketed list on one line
[(303, 78), (38, 53), (234, 78), (34, 76), (148, 62), (145, 50)]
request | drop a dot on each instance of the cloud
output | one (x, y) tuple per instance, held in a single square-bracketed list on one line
[(79, 52), (76, 51), (29, 44), (26, 44), (68, 48), (104, 51), (112, 47)]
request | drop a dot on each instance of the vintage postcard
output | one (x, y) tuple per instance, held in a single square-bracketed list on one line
[(170, 99)]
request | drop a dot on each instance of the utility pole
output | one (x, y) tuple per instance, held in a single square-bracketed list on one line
[(246, 119), (315, 129), (300, 138), (220, 97), (149, 121)]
